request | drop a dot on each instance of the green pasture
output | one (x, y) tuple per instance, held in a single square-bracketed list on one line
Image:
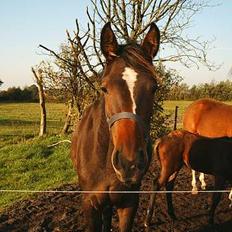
[(20, 121), (169, 107), (26, 161)]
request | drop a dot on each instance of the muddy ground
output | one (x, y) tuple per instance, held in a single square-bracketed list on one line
[(62, 212)]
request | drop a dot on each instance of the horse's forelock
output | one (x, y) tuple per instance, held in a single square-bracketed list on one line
[(135, 57)]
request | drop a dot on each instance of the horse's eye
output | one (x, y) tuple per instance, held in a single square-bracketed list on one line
[(104, 90)]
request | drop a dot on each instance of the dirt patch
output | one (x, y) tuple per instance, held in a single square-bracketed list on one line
[(62, 212)]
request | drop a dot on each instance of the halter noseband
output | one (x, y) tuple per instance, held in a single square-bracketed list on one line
[(123, 115), (128, 115)]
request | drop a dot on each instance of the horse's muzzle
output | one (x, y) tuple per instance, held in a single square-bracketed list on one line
[(130, 172)]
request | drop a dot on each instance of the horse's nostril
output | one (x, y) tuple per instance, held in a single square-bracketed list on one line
[(118, 160), (117, 157)]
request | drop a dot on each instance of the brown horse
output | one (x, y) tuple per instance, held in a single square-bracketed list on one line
[(210, 118), (209, 155), (111, 148)]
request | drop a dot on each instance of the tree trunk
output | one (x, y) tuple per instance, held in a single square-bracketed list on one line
[(68, 119), (43, 122)]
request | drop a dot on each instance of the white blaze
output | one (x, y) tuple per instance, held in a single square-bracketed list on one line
[(130, 76)]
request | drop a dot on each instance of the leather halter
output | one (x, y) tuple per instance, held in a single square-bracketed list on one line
[(123, 115), (128, 115)]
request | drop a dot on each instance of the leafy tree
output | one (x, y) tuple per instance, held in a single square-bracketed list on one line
[(221, 91), (16, 94)]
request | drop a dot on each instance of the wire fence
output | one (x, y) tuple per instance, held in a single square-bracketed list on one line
[(111, 192)]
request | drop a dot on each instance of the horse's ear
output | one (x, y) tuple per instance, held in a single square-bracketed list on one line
[(109, 45), (151, 41)]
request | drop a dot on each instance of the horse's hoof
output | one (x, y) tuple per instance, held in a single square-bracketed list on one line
[(211, 227), (147, 223), (206, 206), (172, 226), (203, 187), (172, 216), (194, 191), (211, 222)]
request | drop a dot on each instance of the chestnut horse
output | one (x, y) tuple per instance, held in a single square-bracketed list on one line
[(209, 155), (111, 148), (210, 118)]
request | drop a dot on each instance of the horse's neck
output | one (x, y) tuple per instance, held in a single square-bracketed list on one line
[(101, 131)]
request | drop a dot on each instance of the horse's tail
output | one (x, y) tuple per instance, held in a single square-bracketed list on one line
[(156, 148)]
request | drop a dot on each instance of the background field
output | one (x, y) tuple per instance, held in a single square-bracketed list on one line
[(26, 161), (20, 121)]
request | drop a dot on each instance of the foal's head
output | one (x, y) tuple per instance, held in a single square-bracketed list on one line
[(129, 84)]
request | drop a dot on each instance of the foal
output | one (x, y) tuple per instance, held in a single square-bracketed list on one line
[(211, 156), (199, 117)]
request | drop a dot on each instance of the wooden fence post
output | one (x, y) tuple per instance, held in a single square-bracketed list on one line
[(175, 118), (39, 81)]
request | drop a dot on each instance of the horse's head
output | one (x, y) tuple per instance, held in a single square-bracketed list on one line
[(129, 84)]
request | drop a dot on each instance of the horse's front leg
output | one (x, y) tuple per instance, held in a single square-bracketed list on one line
[(126, 215), (107, 218), (150, 209), (93, 214)]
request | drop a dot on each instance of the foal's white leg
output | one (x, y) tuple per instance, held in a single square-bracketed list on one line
[(194, 183), (230, 198), (202, 180)]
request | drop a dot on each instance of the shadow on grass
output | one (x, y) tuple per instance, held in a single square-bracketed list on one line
[(43, 152), (10, 122)]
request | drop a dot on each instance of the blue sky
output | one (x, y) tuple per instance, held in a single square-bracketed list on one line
[(24, 24)]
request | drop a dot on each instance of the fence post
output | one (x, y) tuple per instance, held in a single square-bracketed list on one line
[(175, 119)]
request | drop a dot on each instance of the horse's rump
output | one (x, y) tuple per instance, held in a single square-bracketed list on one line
[(208, 117)]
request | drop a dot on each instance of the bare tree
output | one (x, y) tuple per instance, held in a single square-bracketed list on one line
[(65, 80), (68, 118), (39, 81), (81, 61), (132, 17)]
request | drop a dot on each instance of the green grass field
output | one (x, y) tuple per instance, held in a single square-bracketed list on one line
[(20, 121), (169, 107), (26, 161)]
